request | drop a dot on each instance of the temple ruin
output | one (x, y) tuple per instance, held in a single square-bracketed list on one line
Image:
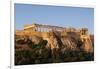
[(42, 28), (46, 28)]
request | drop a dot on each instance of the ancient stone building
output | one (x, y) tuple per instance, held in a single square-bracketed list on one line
[(42, 28)]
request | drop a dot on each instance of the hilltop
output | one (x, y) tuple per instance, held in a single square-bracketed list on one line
[(54, 46)]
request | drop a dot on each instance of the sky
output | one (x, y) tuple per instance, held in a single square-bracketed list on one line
[(64, 16)]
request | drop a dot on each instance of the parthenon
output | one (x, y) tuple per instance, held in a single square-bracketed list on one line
[(47, 28), (42, 28)]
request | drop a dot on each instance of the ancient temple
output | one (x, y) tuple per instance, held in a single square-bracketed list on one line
[(42, 28)]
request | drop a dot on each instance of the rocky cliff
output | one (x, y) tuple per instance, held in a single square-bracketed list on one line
[(56, 47)]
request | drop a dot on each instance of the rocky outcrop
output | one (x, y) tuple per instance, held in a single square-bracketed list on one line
[(55, 47), (87, 43)]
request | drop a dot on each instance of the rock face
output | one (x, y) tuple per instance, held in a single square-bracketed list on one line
[(56, 47), (87, 44), (35, 39)]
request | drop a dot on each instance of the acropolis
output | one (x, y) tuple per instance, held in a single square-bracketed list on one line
[(44, 32), (45, 40)]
